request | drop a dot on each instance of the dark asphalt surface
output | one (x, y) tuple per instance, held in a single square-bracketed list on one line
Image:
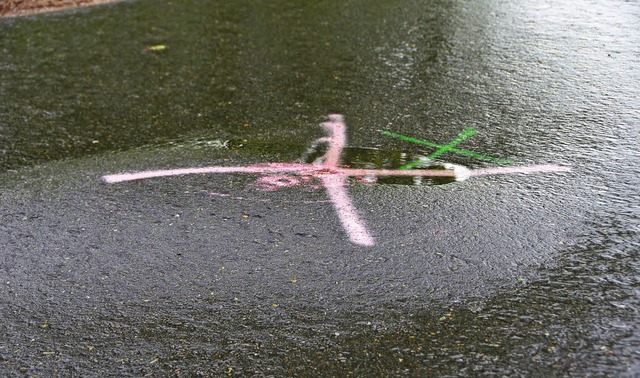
[(206, 275)]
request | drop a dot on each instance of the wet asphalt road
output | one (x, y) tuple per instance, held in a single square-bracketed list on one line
[(207, 275)]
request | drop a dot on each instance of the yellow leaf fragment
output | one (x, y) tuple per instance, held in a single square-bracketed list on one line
[(156, 48)]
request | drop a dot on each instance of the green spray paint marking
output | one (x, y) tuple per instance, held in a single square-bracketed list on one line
[(466, 133), (441, 149)]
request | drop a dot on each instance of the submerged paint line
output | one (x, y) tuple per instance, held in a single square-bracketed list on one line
[(333, 177)]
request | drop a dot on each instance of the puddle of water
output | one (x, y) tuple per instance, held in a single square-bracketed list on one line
[(374, 158), (358, 158)]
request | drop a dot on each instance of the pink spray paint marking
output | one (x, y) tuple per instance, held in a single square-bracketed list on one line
[(332, 176)]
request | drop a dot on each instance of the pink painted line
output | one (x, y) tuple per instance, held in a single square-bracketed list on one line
[(256, 169), (347, 213), (337, 140), (460, 172)]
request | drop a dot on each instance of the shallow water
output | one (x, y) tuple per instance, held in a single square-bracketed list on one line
[(550, 261)]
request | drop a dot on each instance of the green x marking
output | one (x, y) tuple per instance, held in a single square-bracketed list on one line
[(441, 149)]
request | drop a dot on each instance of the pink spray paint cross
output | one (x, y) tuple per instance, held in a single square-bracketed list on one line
[(332, 176)]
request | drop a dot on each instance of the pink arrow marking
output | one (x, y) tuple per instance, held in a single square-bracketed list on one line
[(333, 176)]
